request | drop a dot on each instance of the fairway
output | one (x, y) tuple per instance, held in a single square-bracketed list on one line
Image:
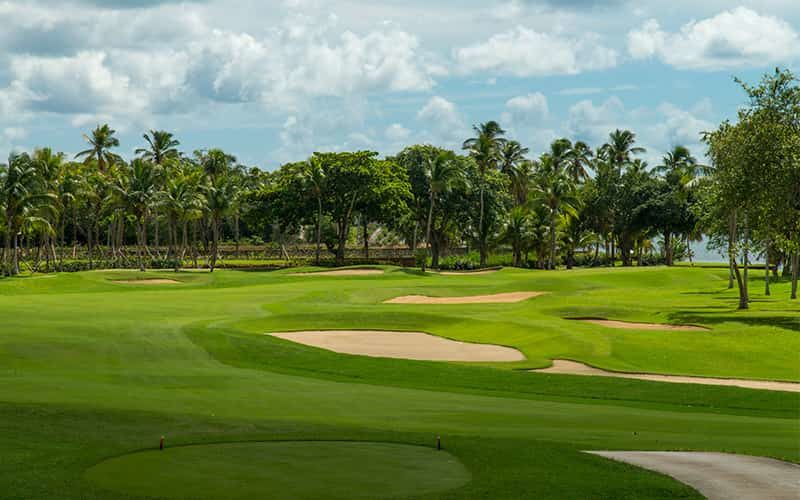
[(89, 386)]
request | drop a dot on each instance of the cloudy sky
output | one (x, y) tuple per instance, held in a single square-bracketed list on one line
[(273, 81)]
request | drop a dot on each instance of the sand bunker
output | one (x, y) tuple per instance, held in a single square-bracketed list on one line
[(628, 325), (154, 281), (341, 272), (575, 368), (498, 298), (720, 475), (404, 345)]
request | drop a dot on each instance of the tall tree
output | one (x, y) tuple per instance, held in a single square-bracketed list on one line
[(485, 149), (101, 140)]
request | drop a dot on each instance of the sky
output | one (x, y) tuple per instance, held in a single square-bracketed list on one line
[(273, 81)]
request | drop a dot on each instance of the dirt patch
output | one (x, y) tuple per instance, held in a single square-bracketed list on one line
[(403, 345), (497, 298), (629, 325), (575, 368), (720, 475), (341, 272), (153, 281)]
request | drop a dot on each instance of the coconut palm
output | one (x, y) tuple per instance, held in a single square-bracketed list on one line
[(161, 145), (313, 175), (620, 148), (521, 177), (220, 195), (556, 191), (515, 232), (442, 172), (485, 149), (24, 198), (101, 141), (136, 189), (511, 154), (215, 162), (579, 161)]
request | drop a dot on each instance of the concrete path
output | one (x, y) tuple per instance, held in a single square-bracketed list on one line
[(720, 476)]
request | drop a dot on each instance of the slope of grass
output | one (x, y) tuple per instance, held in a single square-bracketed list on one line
[(91, 369)]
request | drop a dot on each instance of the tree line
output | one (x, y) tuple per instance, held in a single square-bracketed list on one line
[(571, 205)]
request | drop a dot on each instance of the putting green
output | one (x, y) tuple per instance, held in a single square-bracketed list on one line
[(294, 469)]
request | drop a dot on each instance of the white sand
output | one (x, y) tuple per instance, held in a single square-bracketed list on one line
[(153, 281), (404, 345), (341, 272), (498, 298), (575, 368), (720, 476), (628, 325)]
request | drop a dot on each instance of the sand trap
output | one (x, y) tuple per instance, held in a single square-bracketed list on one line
[(720, 475), (575, 368), (498, 298), (341, 272), (154, 281), (628, 325), (404, 345)]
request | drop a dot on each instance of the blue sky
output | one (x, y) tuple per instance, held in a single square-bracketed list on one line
[(274, 81)]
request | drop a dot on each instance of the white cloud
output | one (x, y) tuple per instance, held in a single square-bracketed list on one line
[(733, 38), (680, 126), (396, 132), (525, 52), (528, 108), (590, 122), (444, 119)]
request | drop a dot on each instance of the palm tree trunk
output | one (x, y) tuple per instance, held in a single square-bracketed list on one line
[(7, 248), (746, 257), (766, 269), (319, 230), (365, 227), (140, 223), (428, 229), (552, 264), (481, 235), (214, 242), (795, 272)]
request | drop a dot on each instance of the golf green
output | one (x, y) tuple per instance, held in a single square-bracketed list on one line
[(278, 470)]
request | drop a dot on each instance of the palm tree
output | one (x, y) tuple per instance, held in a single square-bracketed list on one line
[(101, 141), (521, 176), (511, 154), (215, 162), (442, 172), (23, 197), (515, 232), (561, 153), (485, 149), (620, 149), (580, 160), (136, 189), (160, 146), (556, 191), (313, 175), (220, 194)]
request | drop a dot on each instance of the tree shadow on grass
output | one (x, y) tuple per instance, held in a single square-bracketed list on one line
[(787, 322)]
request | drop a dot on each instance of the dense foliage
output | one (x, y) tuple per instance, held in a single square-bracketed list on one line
[(571, 205)]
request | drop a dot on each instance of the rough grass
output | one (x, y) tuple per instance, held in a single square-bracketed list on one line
[(91, 370)]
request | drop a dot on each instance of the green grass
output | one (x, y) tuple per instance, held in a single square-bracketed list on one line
[(91, 370), (283, 469)]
